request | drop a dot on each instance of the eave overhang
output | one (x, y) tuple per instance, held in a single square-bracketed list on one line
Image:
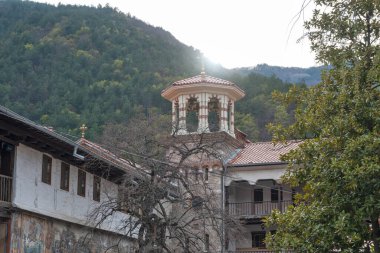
[(232, 91)]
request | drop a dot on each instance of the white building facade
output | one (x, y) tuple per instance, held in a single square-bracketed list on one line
[(48, 193), (250, 172)]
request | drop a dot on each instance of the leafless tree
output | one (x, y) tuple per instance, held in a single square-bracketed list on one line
[(171, 192)]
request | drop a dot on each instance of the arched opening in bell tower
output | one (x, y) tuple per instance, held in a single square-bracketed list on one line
[(214, 114), (192, 111)]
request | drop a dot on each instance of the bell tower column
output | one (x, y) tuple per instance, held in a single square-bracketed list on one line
[(203, 104), (182, 115), (203, 113), (223, 113), (232, 118), (174, 116)]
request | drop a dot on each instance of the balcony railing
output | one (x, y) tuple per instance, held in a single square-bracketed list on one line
[(260, 251), (257, 208), (5, 188), (252, 251)]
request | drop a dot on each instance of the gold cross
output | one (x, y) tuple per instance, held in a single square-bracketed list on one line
[(83, 129)]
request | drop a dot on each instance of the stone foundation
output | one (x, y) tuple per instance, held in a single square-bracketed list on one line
[(38, 234)]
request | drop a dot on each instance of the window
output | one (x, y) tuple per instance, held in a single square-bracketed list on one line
[(6, 159), (196, 174), (197, 202), (206, 174), (187, 245), (192, 110), (258, 239), (46, 169), (65, 176), (4, 234), (274, 195), (214, 114), (96, 189), (207, 242), (81, 183), (293, 195), (258, 195)]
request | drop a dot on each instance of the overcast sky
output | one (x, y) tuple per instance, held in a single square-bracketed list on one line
[(234, 33)]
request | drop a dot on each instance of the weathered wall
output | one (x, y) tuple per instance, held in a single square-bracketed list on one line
[(31, 194), (38, 234), (255, 173)]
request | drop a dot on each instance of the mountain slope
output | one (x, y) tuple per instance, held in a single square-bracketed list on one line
[(308, 76), (62, 61), (67, 65)]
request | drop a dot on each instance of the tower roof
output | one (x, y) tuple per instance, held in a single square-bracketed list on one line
[(202, 83), (203, 79)]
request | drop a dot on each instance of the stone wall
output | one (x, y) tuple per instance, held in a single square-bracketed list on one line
[(39, 234)]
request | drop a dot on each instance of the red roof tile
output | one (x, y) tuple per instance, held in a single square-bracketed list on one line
[(104, 154), (262, 152), (203, 79)]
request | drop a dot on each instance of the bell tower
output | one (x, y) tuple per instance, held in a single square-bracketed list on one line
[(203, 104)]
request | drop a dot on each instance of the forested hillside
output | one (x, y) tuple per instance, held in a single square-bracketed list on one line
[(308, 76), (67, 65)]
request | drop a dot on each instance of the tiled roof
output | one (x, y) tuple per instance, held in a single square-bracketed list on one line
[(262, 153), (202, 78), (104, 153), (65, 145), (202, 82)]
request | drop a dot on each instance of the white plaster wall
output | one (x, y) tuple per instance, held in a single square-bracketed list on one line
[(30, 193), (255, 173)]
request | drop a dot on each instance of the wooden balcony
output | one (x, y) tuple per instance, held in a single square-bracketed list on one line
[(5, 190), (257, 209)]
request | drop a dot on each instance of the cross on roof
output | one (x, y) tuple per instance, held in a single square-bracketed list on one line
[(83, 129)]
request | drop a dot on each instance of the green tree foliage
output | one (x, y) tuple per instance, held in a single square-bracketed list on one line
[(258, 101), (83, 64), (67, 65), (338, 164), (247, 124)]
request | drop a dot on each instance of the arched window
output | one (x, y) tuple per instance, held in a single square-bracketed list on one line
[(214, 114), (192, 110)]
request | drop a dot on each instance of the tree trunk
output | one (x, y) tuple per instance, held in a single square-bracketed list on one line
[(375, 234)]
